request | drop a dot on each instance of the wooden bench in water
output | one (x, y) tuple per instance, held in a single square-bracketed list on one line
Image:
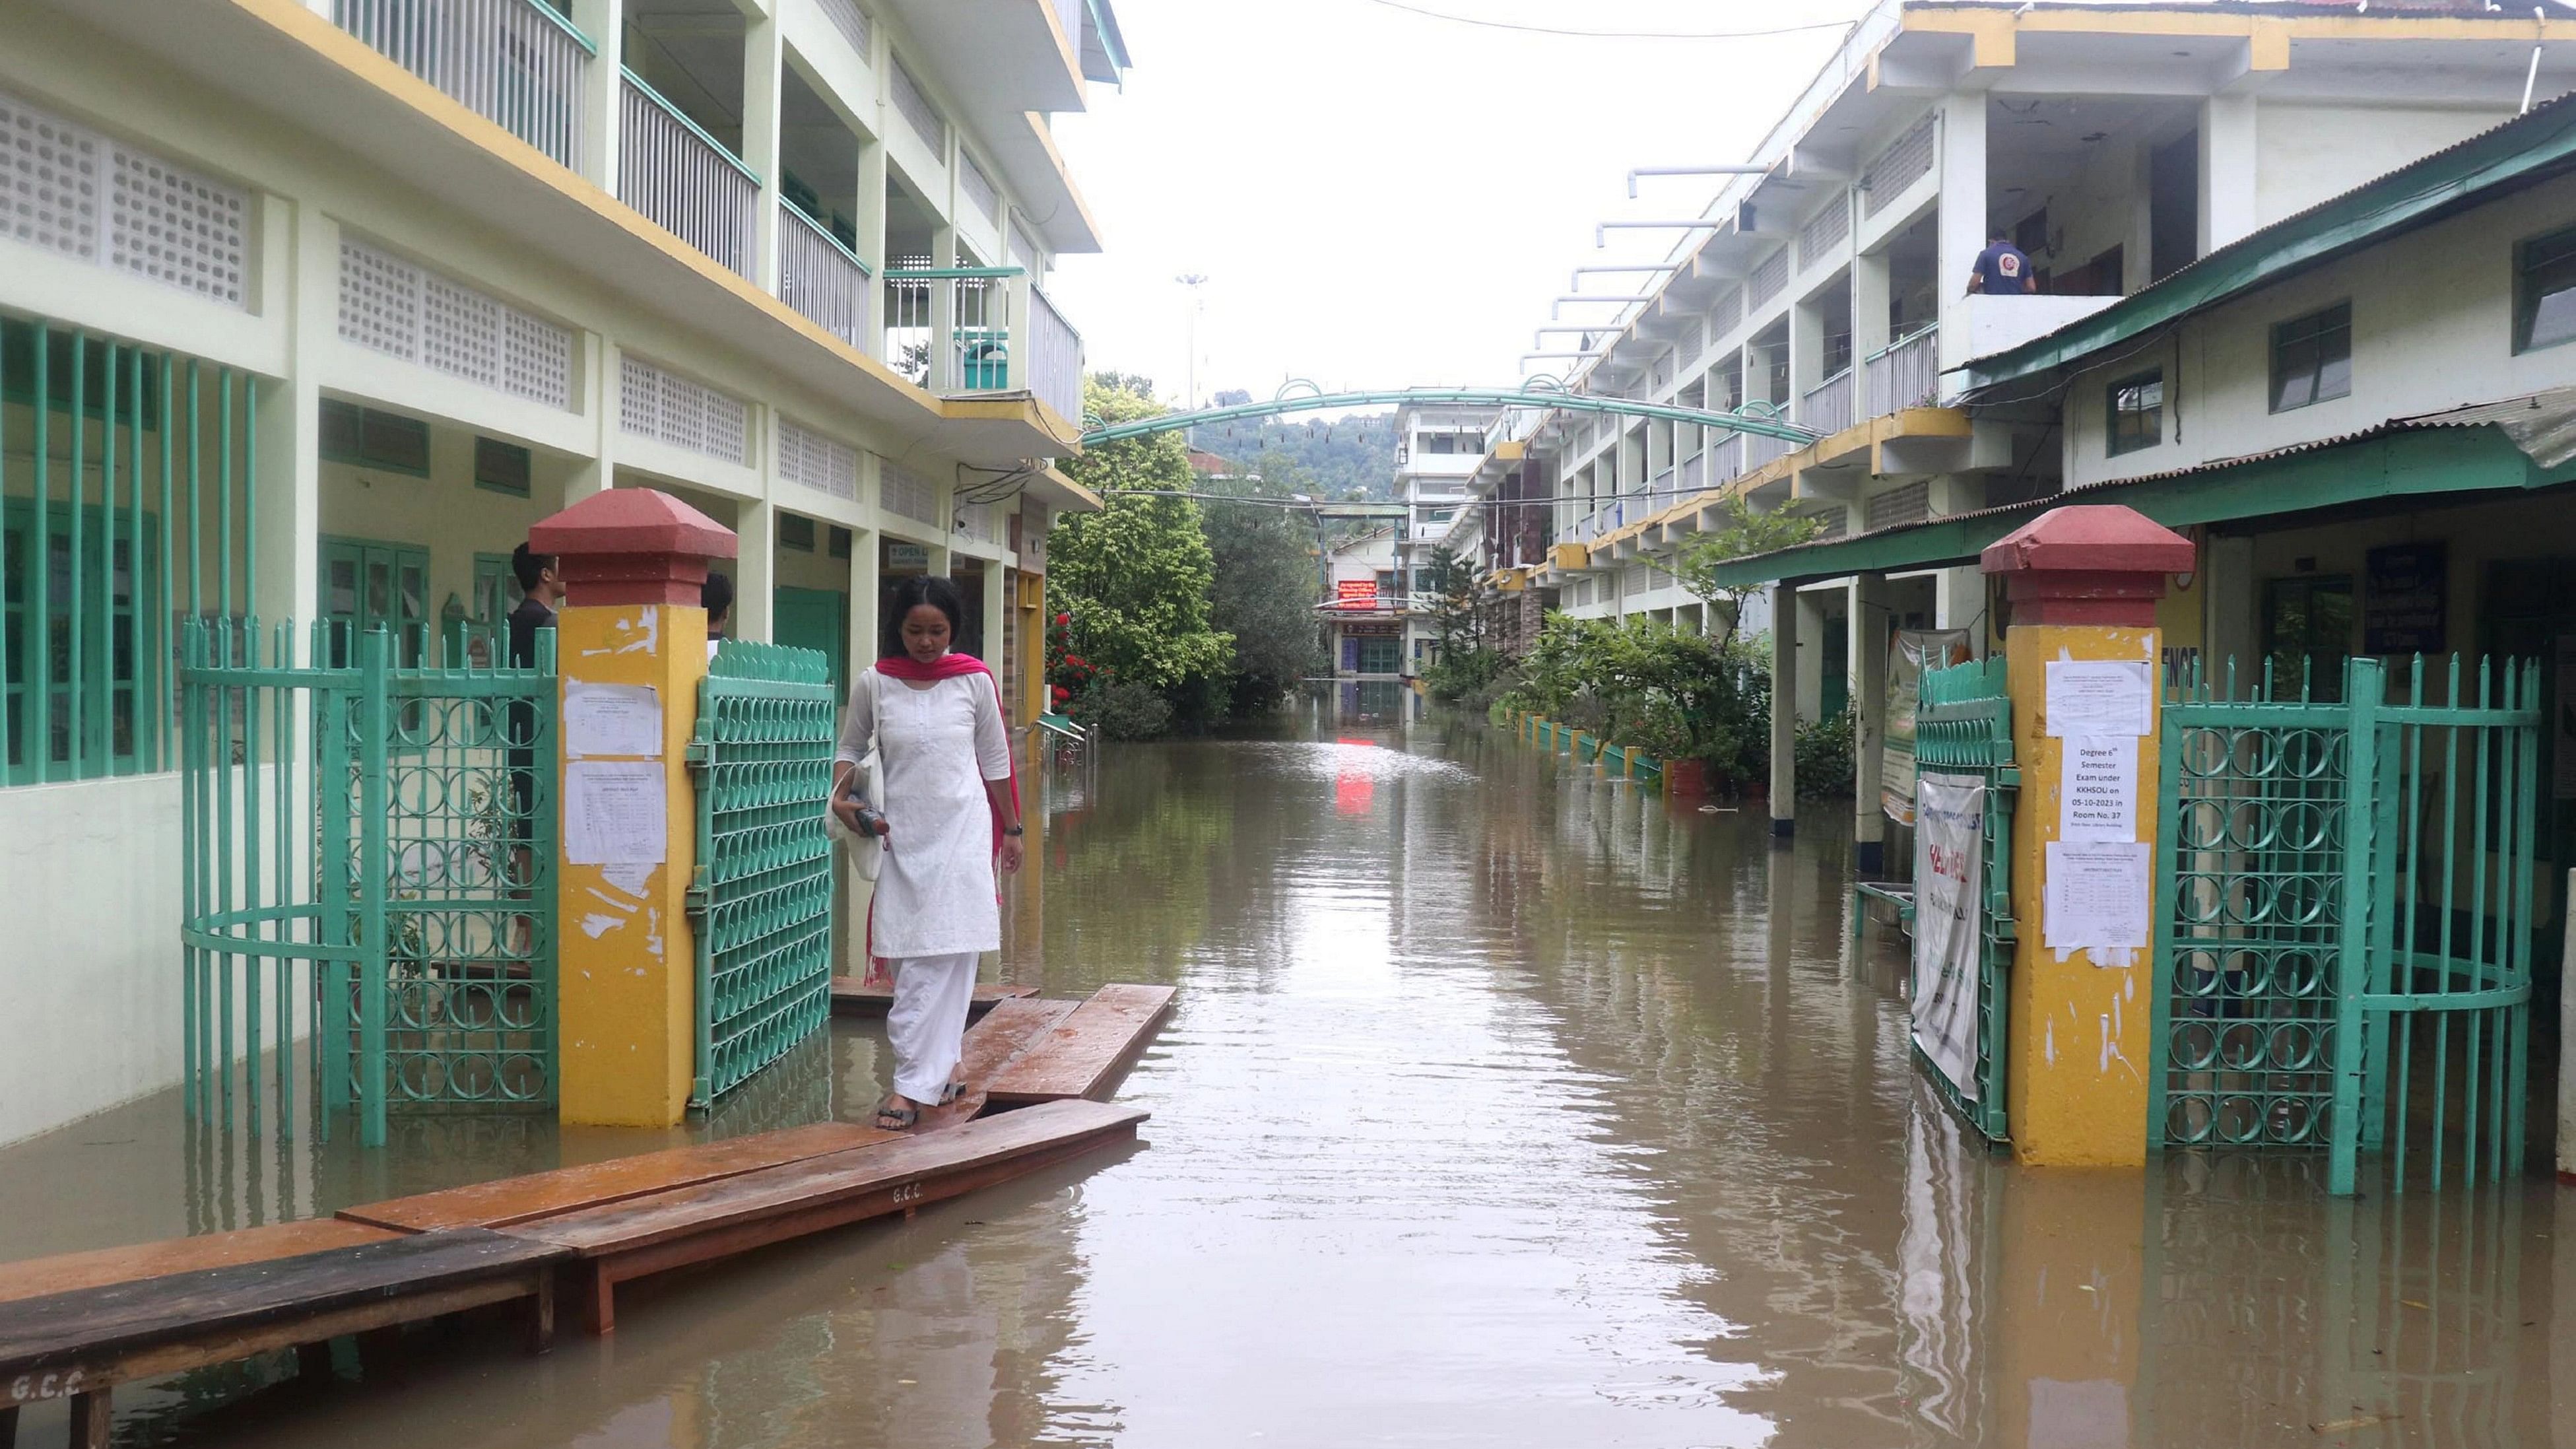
[(852, 996), (77, 1324), (82, 1343)]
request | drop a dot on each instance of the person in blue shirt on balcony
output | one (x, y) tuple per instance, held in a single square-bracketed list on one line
[(2002, 268)]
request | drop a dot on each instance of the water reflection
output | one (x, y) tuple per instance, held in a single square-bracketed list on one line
[(1504, 1104)]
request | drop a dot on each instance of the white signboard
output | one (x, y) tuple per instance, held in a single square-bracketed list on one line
[(2097, 897), (2099, 697), (1949, 900), (615, 812), (611, 719), (2099, 799)]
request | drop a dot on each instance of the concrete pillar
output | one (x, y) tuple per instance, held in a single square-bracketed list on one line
[(1869, 286), (871, 241), (1868, 642), (602, 87), (1811, 649), (1961, 228), (996, 581), (633, 560), (2084, 582), (288, 548), (598, 366), (2227, 170), (1784, 710), (755, 569), (764, 56), (1806, 350)]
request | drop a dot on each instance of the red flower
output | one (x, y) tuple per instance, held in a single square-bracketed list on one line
[(1062, 694), (1076, 661), (1063, 621)]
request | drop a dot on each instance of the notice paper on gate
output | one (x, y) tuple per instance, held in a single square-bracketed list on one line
[(2096, 898), (616, 812), (2098, 794)]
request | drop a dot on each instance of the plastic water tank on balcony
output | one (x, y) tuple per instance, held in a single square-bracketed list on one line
[(983, 359)]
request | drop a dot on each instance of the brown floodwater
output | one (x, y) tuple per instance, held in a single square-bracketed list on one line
[(1502, 1106)]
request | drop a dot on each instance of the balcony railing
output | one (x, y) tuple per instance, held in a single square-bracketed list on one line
[(515, 63), (1905, 374), (1827, 409), (679, 176), (1694, 469), (822, 278), (1761, 448), (1054, 357), (1725, 459), (948, 329)]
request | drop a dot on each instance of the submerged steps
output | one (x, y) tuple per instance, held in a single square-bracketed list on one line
[(77, 1324)]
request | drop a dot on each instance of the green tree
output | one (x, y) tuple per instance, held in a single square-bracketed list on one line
[(1746, 533), (1135, 576), (1453, 601), (1266, 587)]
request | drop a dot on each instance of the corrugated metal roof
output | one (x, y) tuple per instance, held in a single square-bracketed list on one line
[(2542, 425)]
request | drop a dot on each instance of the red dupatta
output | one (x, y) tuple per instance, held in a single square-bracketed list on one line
[(947, 666)]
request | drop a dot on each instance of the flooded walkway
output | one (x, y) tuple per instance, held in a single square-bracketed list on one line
[(1502, 1107)]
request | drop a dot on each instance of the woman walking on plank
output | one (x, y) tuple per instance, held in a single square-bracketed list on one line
[(951, 811)]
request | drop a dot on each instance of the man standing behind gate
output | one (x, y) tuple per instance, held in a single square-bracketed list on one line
[(540, 590)]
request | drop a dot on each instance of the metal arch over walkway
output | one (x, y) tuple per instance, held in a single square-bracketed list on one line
[(1756, 418)]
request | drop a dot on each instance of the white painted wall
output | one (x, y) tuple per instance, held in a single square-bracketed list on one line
[(89, 953), (2305, 153), (2418, 347)]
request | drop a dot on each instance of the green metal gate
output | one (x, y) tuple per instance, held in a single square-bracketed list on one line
[(762, 896), (1963, 726), (2344, 890), (368, 877)]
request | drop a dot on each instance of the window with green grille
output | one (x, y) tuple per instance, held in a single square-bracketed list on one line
[(87, 632), (2544, 291), (2312, 358), (367, 438), (2137, 412), (796, 531), (502, 467)]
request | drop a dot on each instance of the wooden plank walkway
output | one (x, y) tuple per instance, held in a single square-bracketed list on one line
[(1086, 1053), (80, 1345), (518, 1199), (77, 1324), (617, 1242), (852, 996)]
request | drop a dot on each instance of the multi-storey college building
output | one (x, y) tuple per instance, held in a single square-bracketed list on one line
[(2165, 168), (309, 310)]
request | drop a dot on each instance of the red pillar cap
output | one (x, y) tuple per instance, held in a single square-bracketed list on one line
[(2106, 538), (632, 546)]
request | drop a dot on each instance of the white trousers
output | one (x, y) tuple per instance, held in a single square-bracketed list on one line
[(927, 1023)]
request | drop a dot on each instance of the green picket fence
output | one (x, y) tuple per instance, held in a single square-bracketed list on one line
[(2346, 920), (368, 899), (1624, 761), (762, 894)]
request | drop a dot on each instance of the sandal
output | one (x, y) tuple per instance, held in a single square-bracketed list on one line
[(891, 1118), (953, 1091)]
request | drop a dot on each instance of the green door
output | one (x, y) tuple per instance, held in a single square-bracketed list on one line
[(815, 619), (366, 585)]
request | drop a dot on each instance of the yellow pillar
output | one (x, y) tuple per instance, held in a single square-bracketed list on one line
[(2083, 584), (2076, 1083), (626, 1023)]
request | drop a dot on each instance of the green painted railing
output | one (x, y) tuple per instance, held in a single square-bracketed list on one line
[(2345, 893), (1963, 727), (762, 895), (1622, 761), (136, 467), (367, 892)]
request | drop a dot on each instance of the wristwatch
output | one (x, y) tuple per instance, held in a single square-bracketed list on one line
[(1015, 830)]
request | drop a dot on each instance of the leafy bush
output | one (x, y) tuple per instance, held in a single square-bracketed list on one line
[(1124, 709), (1455, 678), (1675, 694), (1824, 757)]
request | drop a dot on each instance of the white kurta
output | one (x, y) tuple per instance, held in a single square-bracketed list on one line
[(937, 747)]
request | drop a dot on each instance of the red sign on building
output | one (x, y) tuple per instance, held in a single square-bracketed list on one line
[(1355, 593)]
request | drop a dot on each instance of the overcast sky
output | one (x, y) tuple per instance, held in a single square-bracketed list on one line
[(1381, 199)]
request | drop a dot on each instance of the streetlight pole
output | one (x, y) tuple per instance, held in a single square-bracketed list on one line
[(1192, 280)]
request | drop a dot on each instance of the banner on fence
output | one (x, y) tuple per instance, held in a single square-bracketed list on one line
[(1949, 883), (1909, 654)]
